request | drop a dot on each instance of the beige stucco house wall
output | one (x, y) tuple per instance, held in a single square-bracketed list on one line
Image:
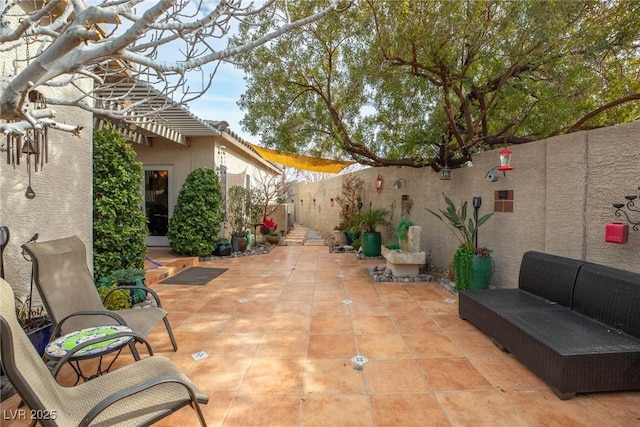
[(63, 203), (563, 190), (243, 166)]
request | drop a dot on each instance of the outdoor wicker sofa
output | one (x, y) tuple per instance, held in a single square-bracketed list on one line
[(575, 324)]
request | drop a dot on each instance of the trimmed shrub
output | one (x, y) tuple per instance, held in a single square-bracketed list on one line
[(119, 224), (195, 224)]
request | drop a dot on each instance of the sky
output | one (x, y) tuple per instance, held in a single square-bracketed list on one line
[(220, 101)]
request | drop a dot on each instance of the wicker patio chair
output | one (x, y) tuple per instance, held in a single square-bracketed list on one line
[(137, 394), (71, 298)]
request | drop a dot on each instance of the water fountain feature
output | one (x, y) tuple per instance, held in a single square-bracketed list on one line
[(406, 262)]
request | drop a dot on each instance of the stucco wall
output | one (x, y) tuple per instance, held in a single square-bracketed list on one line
[(63, 203), (203, 152), (563, 190)]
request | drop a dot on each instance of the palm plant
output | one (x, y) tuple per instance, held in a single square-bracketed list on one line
[(466, 232), (456, 220), (370, 219)]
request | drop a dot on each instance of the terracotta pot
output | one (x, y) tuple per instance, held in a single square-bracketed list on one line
[(274, 240)]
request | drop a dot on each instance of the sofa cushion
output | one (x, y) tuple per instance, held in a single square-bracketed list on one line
[(571, 352), (484, 307), (501, 300), (609, 295), (549, 276)]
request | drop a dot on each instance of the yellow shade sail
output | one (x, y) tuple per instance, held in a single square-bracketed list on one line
[(298, 161)]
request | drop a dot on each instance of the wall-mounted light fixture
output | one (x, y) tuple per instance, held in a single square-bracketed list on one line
[(398, 183), (445, 173)]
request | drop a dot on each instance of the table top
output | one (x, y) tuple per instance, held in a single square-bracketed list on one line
[(62, 345)]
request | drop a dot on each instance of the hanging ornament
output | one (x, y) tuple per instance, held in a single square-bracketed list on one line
[(33, 144)]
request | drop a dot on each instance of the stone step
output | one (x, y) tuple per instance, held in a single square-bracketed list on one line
[(160, 264), (313, 238), (296, 236)]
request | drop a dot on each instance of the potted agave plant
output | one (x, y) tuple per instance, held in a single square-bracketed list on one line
[(472, 265)]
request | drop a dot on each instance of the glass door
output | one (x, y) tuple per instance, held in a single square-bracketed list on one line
[(158, 193)]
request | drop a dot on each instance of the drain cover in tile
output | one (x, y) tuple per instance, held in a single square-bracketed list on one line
[(360, 360), (199, 355)]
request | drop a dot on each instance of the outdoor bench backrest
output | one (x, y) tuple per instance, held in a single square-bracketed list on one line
[(610, 296), (549, 276)]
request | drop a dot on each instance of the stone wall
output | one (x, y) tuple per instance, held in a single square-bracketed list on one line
[(563, 189)]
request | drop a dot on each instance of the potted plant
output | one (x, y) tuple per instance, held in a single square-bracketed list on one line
[(468, 261), (223, 247), (273, 237), (268, 225), (368, 222), (130, 276), (35, 323), (350, 202), (239, 210), (351, 230), (269, 228), (481, 269)]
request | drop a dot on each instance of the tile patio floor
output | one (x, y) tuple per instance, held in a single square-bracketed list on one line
[(283, 357)]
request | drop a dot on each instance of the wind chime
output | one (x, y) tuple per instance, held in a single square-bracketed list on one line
[(33, 145)]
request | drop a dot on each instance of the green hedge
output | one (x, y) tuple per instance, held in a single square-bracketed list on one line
[(119, 224), (196, 220)]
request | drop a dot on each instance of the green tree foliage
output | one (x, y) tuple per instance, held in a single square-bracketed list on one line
[(429, 83), (195, 224), (119, 225)]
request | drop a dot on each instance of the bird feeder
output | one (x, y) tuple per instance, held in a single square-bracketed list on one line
[(505, 160), (379, 181)]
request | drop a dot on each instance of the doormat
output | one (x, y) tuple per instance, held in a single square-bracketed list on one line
[(194, 276)]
